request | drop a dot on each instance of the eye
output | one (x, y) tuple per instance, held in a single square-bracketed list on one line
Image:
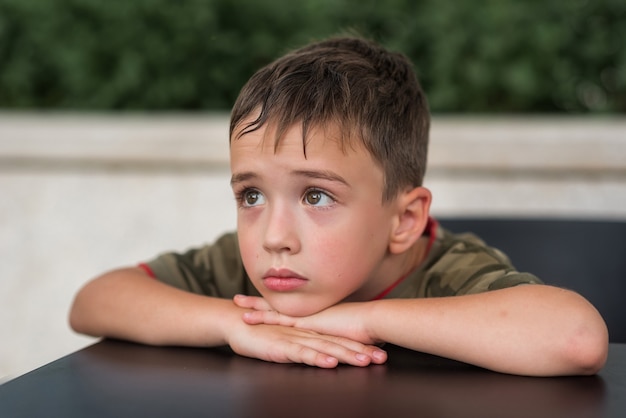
[(251, 197), (316, 197)]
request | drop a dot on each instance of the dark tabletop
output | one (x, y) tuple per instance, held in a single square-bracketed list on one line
[(120, 379)]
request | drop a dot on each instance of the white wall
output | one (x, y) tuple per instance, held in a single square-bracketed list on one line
[(80, 194)]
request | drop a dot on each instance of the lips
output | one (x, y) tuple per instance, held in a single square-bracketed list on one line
[(283, 280)]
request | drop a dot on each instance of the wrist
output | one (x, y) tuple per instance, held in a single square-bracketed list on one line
[(373, 315), (230, 321)]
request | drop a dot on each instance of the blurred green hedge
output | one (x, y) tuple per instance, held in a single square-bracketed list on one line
[(472, 56)]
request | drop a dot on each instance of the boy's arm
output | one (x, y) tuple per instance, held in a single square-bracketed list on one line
[(128, 304), (530, 329)]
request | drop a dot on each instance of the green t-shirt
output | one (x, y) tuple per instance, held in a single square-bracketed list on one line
[(456, 264)]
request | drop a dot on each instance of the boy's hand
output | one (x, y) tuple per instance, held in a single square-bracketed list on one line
[(343, 320), (285, 344)]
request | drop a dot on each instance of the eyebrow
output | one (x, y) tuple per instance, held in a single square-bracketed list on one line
[(241, 177), (322, 175), (313, 174)]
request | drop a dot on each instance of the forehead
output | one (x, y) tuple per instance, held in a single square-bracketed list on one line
[(324, 145), (271, 135)]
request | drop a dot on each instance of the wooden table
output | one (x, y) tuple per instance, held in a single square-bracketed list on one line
[(119, 379)]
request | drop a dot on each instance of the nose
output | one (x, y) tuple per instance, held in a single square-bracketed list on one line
[(281, 233)]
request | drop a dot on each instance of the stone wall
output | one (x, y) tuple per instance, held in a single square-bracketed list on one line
[(82, 193)]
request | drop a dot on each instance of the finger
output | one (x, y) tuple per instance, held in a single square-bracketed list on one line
[(252, 302), (344, 350), (374, 353), (268, 318), (342, 353), (312, 357), (363, 354), (347, 350), (297, 349), (301, 346), (378, 355)]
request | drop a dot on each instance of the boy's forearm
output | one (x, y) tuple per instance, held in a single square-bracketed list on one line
[(532, 330), (130, 305)]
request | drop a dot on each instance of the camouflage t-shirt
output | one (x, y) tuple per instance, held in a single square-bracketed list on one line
[(456, 264)]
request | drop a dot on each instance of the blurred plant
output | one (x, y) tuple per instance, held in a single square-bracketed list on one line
[(489, 56)]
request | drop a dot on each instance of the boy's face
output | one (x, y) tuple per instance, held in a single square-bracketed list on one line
[(312, 231)]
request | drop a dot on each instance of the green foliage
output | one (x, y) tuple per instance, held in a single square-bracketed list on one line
[(488, 56)]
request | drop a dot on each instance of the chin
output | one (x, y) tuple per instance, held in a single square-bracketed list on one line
[(295, 307)]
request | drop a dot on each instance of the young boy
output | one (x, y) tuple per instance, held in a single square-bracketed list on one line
[(335, 251)]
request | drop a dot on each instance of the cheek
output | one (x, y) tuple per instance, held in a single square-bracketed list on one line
[(346, 253), (248, 241), (367, 230), (361, 245)]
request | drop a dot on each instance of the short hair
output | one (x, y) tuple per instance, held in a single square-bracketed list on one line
[(372, 95)]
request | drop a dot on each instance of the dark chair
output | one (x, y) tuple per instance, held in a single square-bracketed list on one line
[(586, 256)]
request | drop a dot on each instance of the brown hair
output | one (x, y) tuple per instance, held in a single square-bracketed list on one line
[(371, 94)]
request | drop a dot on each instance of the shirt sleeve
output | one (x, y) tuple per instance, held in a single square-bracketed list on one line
[(212, 270), (466, 265)]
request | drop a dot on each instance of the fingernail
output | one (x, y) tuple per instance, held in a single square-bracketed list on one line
[(379, 355), (362, 357)]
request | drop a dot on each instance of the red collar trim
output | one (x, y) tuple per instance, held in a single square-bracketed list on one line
[(146, 268), (431, 231)]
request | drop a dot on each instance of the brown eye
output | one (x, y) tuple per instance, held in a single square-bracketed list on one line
[(313, 197), (252, 198), (318, 198)]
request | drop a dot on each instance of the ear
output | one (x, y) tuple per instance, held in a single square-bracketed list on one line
[(413, 210)]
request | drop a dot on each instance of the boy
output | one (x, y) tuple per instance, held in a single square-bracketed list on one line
[(335, 251)]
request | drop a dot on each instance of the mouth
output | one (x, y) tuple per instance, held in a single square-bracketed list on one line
[(283, 280)]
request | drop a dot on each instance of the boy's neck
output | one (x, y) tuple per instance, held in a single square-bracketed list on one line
[(398, 267), (422, 246), (393, 271)]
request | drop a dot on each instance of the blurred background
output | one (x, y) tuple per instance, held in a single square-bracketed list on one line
[(492, 56), (114, 125)]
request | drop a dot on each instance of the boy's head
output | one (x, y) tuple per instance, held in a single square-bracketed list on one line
[(317, 138), (371, 94)]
